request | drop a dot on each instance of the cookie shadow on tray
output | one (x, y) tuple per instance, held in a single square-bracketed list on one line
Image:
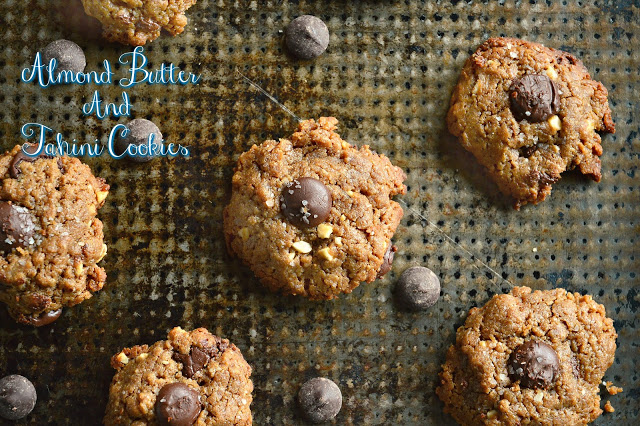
[(465, 165), (69, 17)]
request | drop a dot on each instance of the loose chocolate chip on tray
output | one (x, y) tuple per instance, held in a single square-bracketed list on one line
[(68, 55), (17, 397), (177, 405), (320, 400), (307, 37), (14, 171), (306, 202), (139, 131), (533, 98), (418, 288), (535, 364), (17, 226), (387, 260)]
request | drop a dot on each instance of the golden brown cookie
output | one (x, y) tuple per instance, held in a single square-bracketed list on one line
[(194, 377), (136, 22), (51, 240), (528, 113), (312, 215), (529, 358)]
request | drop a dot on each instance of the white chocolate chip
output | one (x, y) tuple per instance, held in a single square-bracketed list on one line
[(551, 72), (324, 230), (302, 246), (244, 233), (555, 123), (325, 253), (539, 396), (101, 196)]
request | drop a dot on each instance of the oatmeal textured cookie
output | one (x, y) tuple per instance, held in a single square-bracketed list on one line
[(529, 358), (312, 215), (51, 240), (528, 113), (190, 378), (136, 22)]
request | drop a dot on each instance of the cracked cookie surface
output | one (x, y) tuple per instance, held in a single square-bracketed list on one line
[(296, 255), (54, 261), (523, 154), (210, 366), (137, 22), (479, 386)]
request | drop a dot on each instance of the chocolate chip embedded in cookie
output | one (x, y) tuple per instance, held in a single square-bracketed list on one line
[(190, 378), (50, 238), (529, 358), (137, 22), (528, 113), (313, 215)]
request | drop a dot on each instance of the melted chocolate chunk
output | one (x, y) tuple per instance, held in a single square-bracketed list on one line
[(177, 405), (306, 202), (535, 364), (17, 226), (45, 319), (387, 260), (533, 98), (198, 358), (14, 171)]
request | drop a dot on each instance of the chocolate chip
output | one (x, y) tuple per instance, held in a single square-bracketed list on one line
[(533, 98), (535, 364), (527, 151), (198, 358), (320, 400), (45, 319), (14, 171), (177, 405), (387, 260), (418, 288), (68, 55), (139, 131), (306, 202), (17, 226), (307, 37), (17, 397)]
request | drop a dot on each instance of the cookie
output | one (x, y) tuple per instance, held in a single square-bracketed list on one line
[(529, 358), (192, 377), (312, 215), (52, 239), (528, 113), (137, 22)]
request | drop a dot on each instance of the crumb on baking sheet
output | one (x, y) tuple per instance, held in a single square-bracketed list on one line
[(608, 407), (613, 390)]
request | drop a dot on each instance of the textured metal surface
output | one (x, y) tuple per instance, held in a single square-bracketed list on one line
[(387, 76)]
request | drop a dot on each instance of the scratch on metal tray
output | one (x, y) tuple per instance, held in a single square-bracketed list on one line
[(268, 95)]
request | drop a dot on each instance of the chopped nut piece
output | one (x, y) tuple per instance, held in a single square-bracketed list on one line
[(302, 246), (343, 218), (555, 123), (122, 358), (613, 390), (291, 255), (244, 233), (551, 72), (103, 253), (142, 356), (270, 203), (79, 269), (324, 230), (338, 241), (101, 196), (492, 414), (325, 253), (539, 397), (608, 407)]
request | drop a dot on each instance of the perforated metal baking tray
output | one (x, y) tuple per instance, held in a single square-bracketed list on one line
[(387, 76)]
